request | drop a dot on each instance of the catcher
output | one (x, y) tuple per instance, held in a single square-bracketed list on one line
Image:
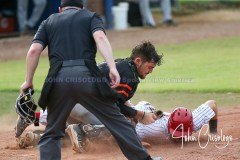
[(181, 122)]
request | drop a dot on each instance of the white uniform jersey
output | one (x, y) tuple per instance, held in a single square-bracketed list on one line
[(43, 117), (201, 116)]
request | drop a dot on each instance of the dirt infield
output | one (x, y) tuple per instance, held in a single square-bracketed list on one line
[(214, 24), (107, 150)]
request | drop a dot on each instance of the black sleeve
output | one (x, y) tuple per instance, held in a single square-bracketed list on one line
[(104, 69), (97, 24), (127, 86), (127, 111), (41, 35)]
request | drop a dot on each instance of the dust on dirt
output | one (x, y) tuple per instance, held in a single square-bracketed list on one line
[(108, 150)]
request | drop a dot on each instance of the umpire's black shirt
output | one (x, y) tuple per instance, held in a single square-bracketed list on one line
[(56, 32)]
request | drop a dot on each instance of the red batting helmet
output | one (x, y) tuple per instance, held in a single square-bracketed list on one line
[(180, 122)]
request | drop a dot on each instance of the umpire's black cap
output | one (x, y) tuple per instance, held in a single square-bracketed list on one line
[(73, 3)]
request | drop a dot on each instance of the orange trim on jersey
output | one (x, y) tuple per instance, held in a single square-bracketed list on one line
[(125, 86), (123, 92)]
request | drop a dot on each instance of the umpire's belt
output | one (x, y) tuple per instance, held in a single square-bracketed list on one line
[(76, 62)]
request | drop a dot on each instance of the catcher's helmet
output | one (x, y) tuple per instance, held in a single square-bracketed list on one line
[(25, 106), (180, 122)]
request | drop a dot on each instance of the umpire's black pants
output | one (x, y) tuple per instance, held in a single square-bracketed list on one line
[(74, 85)]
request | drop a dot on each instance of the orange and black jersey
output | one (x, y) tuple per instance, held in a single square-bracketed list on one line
[(128, 83)]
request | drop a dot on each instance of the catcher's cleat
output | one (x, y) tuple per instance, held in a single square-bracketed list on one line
[(77, 137), (20, 126), (30, 139)]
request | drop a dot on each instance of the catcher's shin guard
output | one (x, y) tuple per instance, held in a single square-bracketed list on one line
[(20, 126)]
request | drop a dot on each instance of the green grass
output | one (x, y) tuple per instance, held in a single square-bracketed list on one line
[(164, 101), (200, 66), (168, 101), (192, 73), (7, 102), (8, 99), (203, 66)]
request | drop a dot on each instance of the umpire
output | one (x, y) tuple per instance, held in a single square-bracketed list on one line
[(72, 37)]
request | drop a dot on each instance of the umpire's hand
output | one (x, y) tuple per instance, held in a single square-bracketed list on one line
[(114, 76), (25, 86)]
